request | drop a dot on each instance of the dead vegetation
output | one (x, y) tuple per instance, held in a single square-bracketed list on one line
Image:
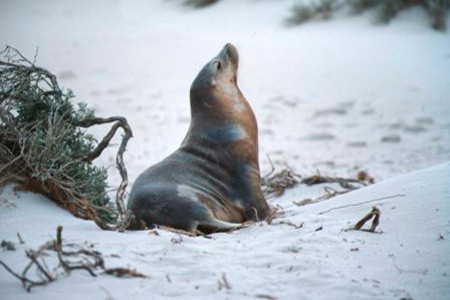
[(223, 283), (45, 149), (275, 183), (375, 214), (69, 257), (318, 10), (385, 10)]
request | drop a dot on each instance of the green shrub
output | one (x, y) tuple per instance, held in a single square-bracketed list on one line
[(43, 143), (386, 10), (300, 13)]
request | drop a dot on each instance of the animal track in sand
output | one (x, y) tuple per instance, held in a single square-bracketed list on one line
[(320, 137), (393, 138), (414, 129), (330, 112), (357, 144), (66, 75), (424, 120)]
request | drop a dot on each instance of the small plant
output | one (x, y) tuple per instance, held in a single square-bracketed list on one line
[(386, 10), (44, 147), (302, 12), (438, 12), (360, 6)]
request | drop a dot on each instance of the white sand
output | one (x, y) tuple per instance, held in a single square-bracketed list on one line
[(337, 96)]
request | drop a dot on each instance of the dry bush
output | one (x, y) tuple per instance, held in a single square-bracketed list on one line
[(303, 12), (386, 10), (44, 147)]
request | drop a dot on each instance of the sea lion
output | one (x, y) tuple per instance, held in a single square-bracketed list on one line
[(212, 182)]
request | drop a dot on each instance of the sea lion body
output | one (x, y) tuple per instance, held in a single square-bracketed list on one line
[(212, 182)]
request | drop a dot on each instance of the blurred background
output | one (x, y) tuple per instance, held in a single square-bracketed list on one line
[(339, 86)]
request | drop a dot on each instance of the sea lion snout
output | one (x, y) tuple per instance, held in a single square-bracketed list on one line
[(229, 54), (221, 69)]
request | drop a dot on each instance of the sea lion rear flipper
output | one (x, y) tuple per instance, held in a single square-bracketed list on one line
[(214, 225)]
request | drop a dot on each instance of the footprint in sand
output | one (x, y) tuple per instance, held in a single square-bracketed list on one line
[(357, 144), (266, 131), (325, 125), (424, 121), (320, 137), (118, 91), (414, 129), (368, 111), (282, 101), (392, 138), (66, 75), (395, 126), (346, 104), (330, 112)]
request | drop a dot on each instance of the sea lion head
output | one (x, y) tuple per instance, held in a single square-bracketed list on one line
[(218, 78)]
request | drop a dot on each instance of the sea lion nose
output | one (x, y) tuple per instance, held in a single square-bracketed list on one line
[(229, 45), (232, 53)]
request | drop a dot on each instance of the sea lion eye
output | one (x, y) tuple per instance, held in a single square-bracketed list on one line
[(218, 65)]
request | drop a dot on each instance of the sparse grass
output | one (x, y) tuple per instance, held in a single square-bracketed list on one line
[(385, 10), (389, 9), (360, 6), (438, 10), (321, 10)]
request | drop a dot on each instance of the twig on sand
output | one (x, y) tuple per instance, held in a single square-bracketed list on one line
[(329, 193), (289, 223), (275, 212), (264, 296), (26, 282), (275, 184), (360, 203), (223, 283), (90, 260), (124, 272), (346, 183), (375, 214), (20, 238)]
